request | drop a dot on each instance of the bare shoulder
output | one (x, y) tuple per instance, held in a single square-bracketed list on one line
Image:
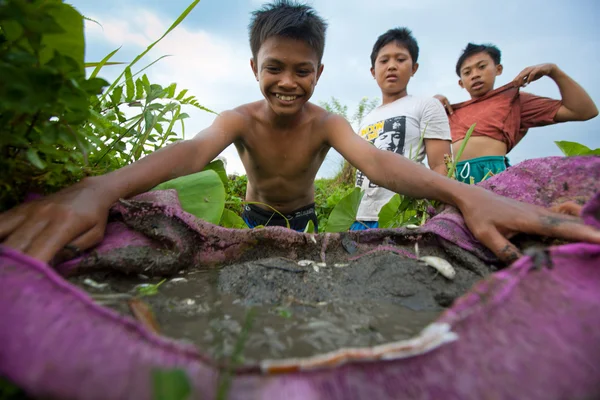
[(324, 119)]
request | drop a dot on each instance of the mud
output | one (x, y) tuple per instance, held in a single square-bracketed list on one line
[(285, 309)]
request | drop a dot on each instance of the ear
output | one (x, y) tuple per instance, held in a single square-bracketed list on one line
[(415, 68), (320, 71), (460, 83), (499, 69), (373, 72), (254, 68)]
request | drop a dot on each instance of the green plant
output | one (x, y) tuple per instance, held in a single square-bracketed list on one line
[(571, 149), (59, 126)]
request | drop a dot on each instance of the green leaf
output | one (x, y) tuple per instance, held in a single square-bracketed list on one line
[(139, 89), (219, 168), (310, 227), (201, 194), (452, 169), (70, 42), (344, 213), (171, 90), (103, 62), (149, 289), (571, 149), (181, 94), (34, 158), (170, 385), (130, 89), (388, 211), (232, 220)]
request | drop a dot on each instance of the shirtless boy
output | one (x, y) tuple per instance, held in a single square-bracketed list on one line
[(282, 140), (397, 125), (504, 115)]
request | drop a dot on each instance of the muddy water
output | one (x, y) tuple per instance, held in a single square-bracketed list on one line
[(297, 310)]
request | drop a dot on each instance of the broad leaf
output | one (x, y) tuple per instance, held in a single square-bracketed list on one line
[(310, 227), (232, 220), (170, 385), (201, 194), (71, 41), (218, 166), (388, 211), (344, 213), (571, 149)]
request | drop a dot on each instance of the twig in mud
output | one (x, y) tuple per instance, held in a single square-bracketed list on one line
[(225, 377), (143, 313), (295, 271), (324, 247)]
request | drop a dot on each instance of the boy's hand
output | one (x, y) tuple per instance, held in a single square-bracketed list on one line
[(531, 74), (445, 102), (71, 220), (493, 219)]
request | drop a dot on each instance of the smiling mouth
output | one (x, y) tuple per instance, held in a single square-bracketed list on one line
[(286, 98)]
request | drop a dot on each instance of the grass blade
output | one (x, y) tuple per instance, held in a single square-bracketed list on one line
[(460, 151), (181, 17), (103, 62)]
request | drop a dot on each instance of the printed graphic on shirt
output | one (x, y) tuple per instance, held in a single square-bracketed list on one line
[(389, 135)]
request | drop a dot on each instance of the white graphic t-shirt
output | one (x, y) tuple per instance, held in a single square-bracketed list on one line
[(398, 127)]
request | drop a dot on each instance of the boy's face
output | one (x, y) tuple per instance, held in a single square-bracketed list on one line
[(287, 71), (478, 74), (393, 68)]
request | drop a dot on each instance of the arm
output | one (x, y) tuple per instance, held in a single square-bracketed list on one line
[(77, 215), (436, 149), (491, 218), (577, 104), (434, 123)]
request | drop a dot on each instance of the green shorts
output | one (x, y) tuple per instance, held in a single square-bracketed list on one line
[(479, 169)]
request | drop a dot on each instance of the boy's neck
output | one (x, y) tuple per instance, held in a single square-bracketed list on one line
[(283, 121), (390, 98)]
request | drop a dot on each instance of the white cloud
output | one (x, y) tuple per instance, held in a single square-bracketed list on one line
[(213, 69)]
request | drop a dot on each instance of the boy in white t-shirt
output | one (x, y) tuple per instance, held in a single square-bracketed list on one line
[(397, 125)]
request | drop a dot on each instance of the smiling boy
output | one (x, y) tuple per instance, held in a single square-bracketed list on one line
[(504, 115), (398, 124), (282, 140)]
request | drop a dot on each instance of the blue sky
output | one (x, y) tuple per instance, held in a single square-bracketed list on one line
[(210, 52)]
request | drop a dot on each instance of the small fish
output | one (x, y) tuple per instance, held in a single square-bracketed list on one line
[(305, 263), (340, 265), (94, 284), (321, 264), (316, 268), (411, 226), (441, 265)]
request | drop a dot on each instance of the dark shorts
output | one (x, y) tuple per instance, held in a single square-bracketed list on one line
[(255, 216)]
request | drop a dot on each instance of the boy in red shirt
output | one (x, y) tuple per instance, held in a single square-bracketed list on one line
[(504, 115)]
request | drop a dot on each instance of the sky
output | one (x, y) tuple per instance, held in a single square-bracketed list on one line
[(209, 52)]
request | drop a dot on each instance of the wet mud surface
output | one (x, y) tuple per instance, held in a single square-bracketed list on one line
[(284, 307)]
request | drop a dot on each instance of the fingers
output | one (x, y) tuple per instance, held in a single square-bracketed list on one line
[(568, 228), (445, 102), (9, 222), (568, 208), (499, 245), (20, 239), (53, 240), (72, 250)]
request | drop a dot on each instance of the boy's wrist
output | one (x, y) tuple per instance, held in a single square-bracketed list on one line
[(555, 72)]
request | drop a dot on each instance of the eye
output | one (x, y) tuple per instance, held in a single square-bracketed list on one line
[(482, 66), (304, 72), (401, 60), (272, 69), (383, 60)]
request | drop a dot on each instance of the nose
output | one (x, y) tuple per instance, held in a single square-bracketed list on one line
[(287, 81), (392, 66)]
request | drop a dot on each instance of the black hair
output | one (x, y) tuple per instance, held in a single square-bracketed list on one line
[(473, 48), (287, 18), (402, 36)]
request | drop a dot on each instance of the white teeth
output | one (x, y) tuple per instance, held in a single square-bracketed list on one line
[(286, 98)]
